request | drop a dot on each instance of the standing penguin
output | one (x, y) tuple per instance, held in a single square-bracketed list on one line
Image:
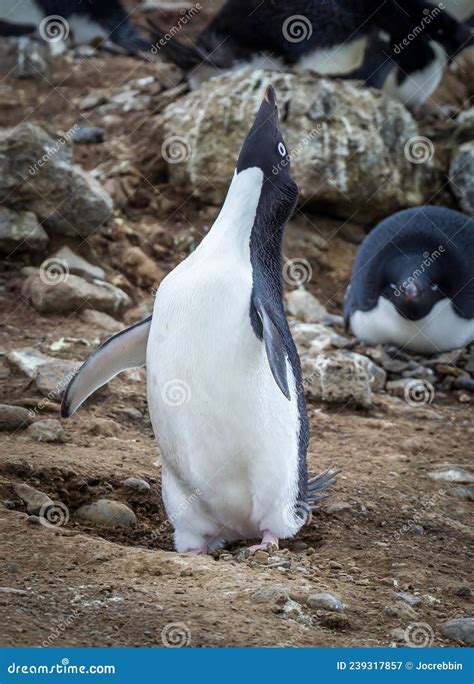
[(412, 284), (225, 390), (91, 20)]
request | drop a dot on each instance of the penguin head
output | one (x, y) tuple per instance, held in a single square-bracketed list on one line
[(448, 32), (265, 149), (412, 293)]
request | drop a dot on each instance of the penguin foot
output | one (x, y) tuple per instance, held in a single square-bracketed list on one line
[(269, 543)]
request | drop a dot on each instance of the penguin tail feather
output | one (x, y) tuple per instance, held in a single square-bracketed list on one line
[(319, 485)]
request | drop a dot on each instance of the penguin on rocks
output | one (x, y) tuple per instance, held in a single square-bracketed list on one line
[(330, 38), (409, 63), (225, 390), (412, 283), (87, 21)]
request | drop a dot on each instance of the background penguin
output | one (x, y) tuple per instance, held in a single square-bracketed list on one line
[(327, 37), (412, 284), (409, 64), (91, 20), (225, 390)]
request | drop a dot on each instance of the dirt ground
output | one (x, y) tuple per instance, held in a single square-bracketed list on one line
[(394, 529)]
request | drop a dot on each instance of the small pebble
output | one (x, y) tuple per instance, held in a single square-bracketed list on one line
[(47, 430), (87, 135), (325, 601), (137, 484)]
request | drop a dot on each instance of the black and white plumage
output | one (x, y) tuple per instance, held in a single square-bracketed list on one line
[(330, 38), (225, 391), (412, 283), (87, 20)]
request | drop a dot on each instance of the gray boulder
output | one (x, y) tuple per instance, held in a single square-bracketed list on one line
[(20, 231), (52, 289), (37, 172), (353, 148), (337, 378)]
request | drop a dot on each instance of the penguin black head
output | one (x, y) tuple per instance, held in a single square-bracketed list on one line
[(412, 283), (413, 293), (265, 149), (448, 32)]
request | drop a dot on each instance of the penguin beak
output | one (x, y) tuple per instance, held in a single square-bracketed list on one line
[(411, 292), (270, 96)]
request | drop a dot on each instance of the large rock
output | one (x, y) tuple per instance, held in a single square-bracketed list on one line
[(52, 289), (461, 176), (24, 57), (51, 375), (107, 512), (337, 378), (20, 231), (47, 430), (352, 148), (13, 417), (37, 172)]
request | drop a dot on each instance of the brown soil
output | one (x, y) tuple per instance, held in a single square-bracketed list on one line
[(89, 586)]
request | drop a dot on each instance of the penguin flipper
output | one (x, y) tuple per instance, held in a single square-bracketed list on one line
[(275, 348), (126, 349)]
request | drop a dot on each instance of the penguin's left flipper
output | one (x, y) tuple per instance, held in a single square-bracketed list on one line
[(274, 346), (318, 487), (126, 349)]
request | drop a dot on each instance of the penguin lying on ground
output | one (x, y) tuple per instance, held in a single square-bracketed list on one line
[(410, 65), (412, 284), (327, 37), (225, 391), (91, 20)]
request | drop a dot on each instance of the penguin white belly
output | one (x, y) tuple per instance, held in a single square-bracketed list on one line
[(228, 436), (442, 329), (340, 59)]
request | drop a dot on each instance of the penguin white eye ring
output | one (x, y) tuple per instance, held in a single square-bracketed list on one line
[(282, 149), (219, 325)]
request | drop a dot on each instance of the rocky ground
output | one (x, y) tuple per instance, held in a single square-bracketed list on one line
[(85, 239)]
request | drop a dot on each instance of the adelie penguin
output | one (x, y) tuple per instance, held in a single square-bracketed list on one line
[(412, 284), (88, 21), (225, 391), (329, 38)]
